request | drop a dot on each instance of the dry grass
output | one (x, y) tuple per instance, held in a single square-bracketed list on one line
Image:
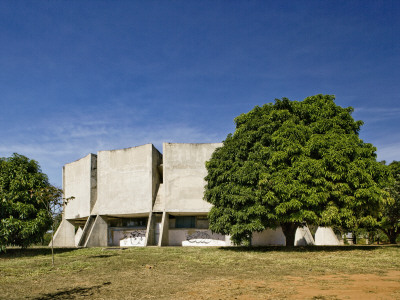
[(202, 273)]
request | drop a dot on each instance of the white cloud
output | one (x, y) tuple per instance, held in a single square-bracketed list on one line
[(376, 114)]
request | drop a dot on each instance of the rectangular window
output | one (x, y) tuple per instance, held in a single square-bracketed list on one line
[(185, 222), (129, 222)]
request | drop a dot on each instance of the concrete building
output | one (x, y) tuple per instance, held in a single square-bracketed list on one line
[(140, 197)]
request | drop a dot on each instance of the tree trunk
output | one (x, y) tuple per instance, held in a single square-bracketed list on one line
[(392, 235), (52, 244), (289, 230), (354, 237), (392, 239)]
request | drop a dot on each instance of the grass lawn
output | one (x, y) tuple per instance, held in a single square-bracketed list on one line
[(343, 272)]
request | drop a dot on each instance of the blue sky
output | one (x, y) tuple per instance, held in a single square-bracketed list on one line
[(77, 77)]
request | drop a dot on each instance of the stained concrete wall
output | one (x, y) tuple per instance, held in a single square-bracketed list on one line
[(79, 181), (125, 181), (184, 172)]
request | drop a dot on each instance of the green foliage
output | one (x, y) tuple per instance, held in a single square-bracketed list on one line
[(390, 222), (292, 162), (24, 217)]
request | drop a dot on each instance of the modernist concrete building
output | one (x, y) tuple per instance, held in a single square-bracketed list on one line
[(140, 197)]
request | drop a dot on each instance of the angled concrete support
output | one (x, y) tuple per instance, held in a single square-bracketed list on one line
[(164, 237), (303, 237), (86, 231), (149, 231), (65, 235), (98, 235), (326, 236), (78, 236)]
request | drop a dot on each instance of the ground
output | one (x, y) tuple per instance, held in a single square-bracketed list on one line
[(345, 272)]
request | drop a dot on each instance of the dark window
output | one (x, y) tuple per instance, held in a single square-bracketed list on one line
[(129, 222), (185, 222)]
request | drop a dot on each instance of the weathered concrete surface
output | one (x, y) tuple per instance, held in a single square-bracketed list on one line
[(126, 181), (159, 204), (65, 235), (326, 236), (79, 181), (184, 172)]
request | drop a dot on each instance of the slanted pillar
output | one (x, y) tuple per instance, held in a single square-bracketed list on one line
[(65, 235), (98, 237), (164, 240), (149, 231), (326, 236)]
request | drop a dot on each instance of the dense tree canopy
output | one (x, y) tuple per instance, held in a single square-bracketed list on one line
[(390, 222), (293, 162), (24, 217)]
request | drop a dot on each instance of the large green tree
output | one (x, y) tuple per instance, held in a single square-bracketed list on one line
[(293, 162), (390, 222), (24, 214)]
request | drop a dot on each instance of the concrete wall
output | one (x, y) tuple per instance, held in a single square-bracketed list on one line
[(79, 181), (125, 181), (127, 237), (184, 172)]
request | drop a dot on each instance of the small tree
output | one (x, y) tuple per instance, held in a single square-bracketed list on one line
[(52, 199), (293, 162), (390, 222)]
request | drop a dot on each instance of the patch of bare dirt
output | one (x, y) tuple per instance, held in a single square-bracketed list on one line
[(324, 287)]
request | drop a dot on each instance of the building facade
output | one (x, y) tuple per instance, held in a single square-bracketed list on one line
[(140, 197)]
